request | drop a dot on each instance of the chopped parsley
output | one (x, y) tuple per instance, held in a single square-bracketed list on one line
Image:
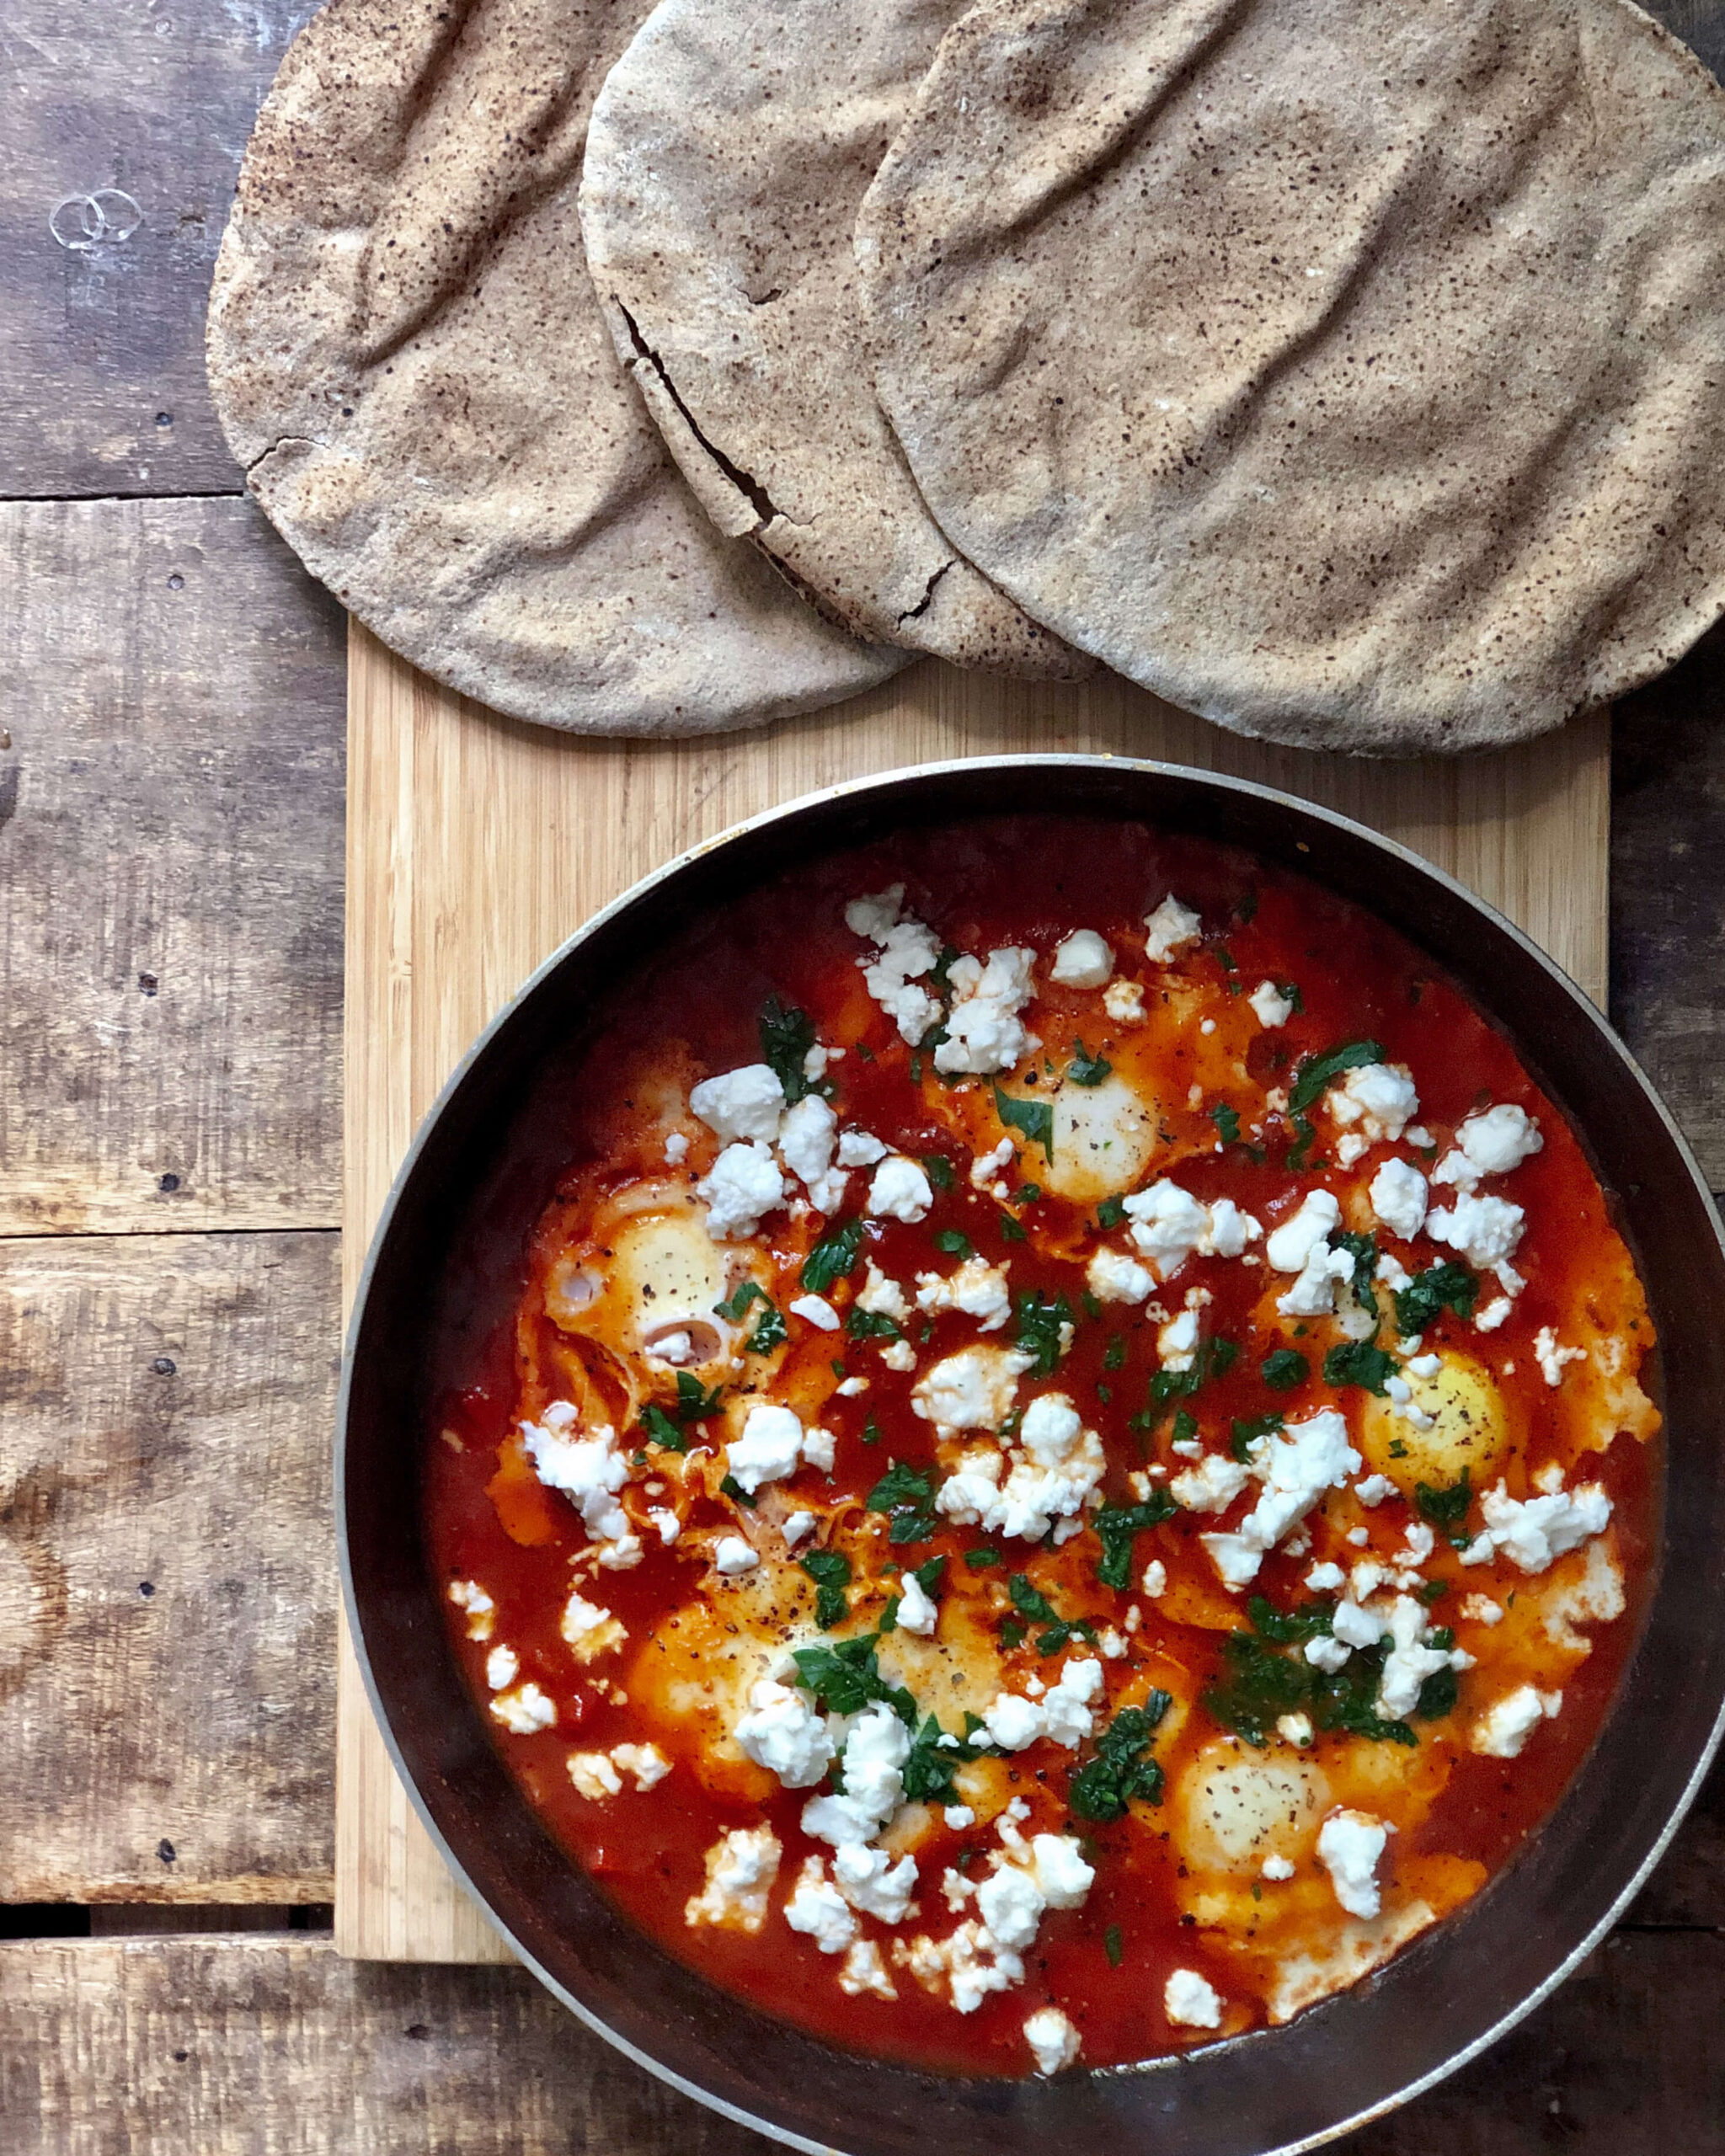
[(1114, 1944), (1086, 1069), (1030, 1602), (1316, 1072), (1118, 1526), (833, 1256), (907, 1495), (1114, 1356), (980, 1558), (1363, 1250), (1110, 1213), (1010, 1228), (1245, 1434), (1215, 1357), (1289, 991), (870, 1432), (1035, 1118), (1284, 1369), (1358, 1361), (1227, 1122), (954, 1241), (1120, 1768), (770, 1331), (1448, 1286), (1300, 1152), (1445, 1508), (660, 1429), (786, 1035), (870, 1325), (928, 1771), (846, 1677), (1259, 1685), (831, 1572), (738, 1494), (1027, 1193), (938, 1169), (1041, 1322)]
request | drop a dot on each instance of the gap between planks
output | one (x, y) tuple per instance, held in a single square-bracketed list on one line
[(476, 845)]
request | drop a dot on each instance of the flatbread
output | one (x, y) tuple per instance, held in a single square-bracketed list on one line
[(1350, 371), (729, 152), (407, 356)]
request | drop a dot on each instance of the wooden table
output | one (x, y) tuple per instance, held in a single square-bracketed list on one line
[(171, 800)]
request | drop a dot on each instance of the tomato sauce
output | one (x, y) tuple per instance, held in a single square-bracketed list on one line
[(1179, 1883)]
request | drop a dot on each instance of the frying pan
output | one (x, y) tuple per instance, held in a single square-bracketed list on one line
[(477, 1175)]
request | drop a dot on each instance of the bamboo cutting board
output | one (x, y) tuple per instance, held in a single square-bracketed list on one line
[(475, 845)]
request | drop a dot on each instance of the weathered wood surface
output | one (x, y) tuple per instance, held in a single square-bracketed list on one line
[(170, 871), (145, 109), (167, 1577), (256, 2047)]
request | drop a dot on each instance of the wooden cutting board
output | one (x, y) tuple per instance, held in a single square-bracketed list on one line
[(475, 845)]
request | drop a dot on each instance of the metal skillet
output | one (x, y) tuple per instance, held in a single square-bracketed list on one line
[(475, 1177)]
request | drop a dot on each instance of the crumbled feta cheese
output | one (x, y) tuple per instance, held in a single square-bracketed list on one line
[(588, 1470), (1313, 1295), (818, 1449), (805, 1140), (978, 1289), (1481, 1610), (1123, 1001), (1551, 1359), (525, 1710), (972, 1389), (1154, 1582), (797, 1528), (917, 1613), (1325, 1578), (1493, 1314), (987, 1166), (588, 1630), (871, 1882), (848, 1388), (865, 1971), (959, 1817), (1533, 1533), (1170, 928), (1374, 1104), (741, 1866), (1112, 1276), (1276, 1867), (1294, 1729), (482, 1610), (676, 1150), (743, 1183), (1295, 1467), (1481, 1229), (783, 1733), (1291, 1244), (1328, 1654), (972, 1962), (1053, 2041), (674, 1348), (907, 950), (1177, 1341), (1084, 960), (818, 1909), (1506, 1724), (882, 1296), (1398, 1198), (1349, 1844), (1490, 1143), (1392, 1272), (733, 1557), (875, 917), (1190, 2001), (984, 1031), (502, 1668), (745, 1103), (900, 1190), (646, 1762), (1371, 1490), (1011, 1904), (769, 1448), (858, 1150), (1056, 1471), (594, 1775), (815, 1311), (1169, 1226), (1409, 1661), (877, 1745), (1273, 1009), (1013, 1722), (1212, 1486)]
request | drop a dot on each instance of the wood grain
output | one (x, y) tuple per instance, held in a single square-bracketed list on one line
[(262, 2047), (167, 1592), (475, 845), (102, 344), (170, 871)]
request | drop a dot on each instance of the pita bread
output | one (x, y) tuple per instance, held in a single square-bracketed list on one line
[(408, 358), (1351, 372), (729, 151)]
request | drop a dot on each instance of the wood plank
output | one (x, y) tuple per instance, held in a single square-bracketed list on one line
[(476, 845), (167, 1590), (1668, 898), (170, 871), (262, 2047), (101, 341)]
